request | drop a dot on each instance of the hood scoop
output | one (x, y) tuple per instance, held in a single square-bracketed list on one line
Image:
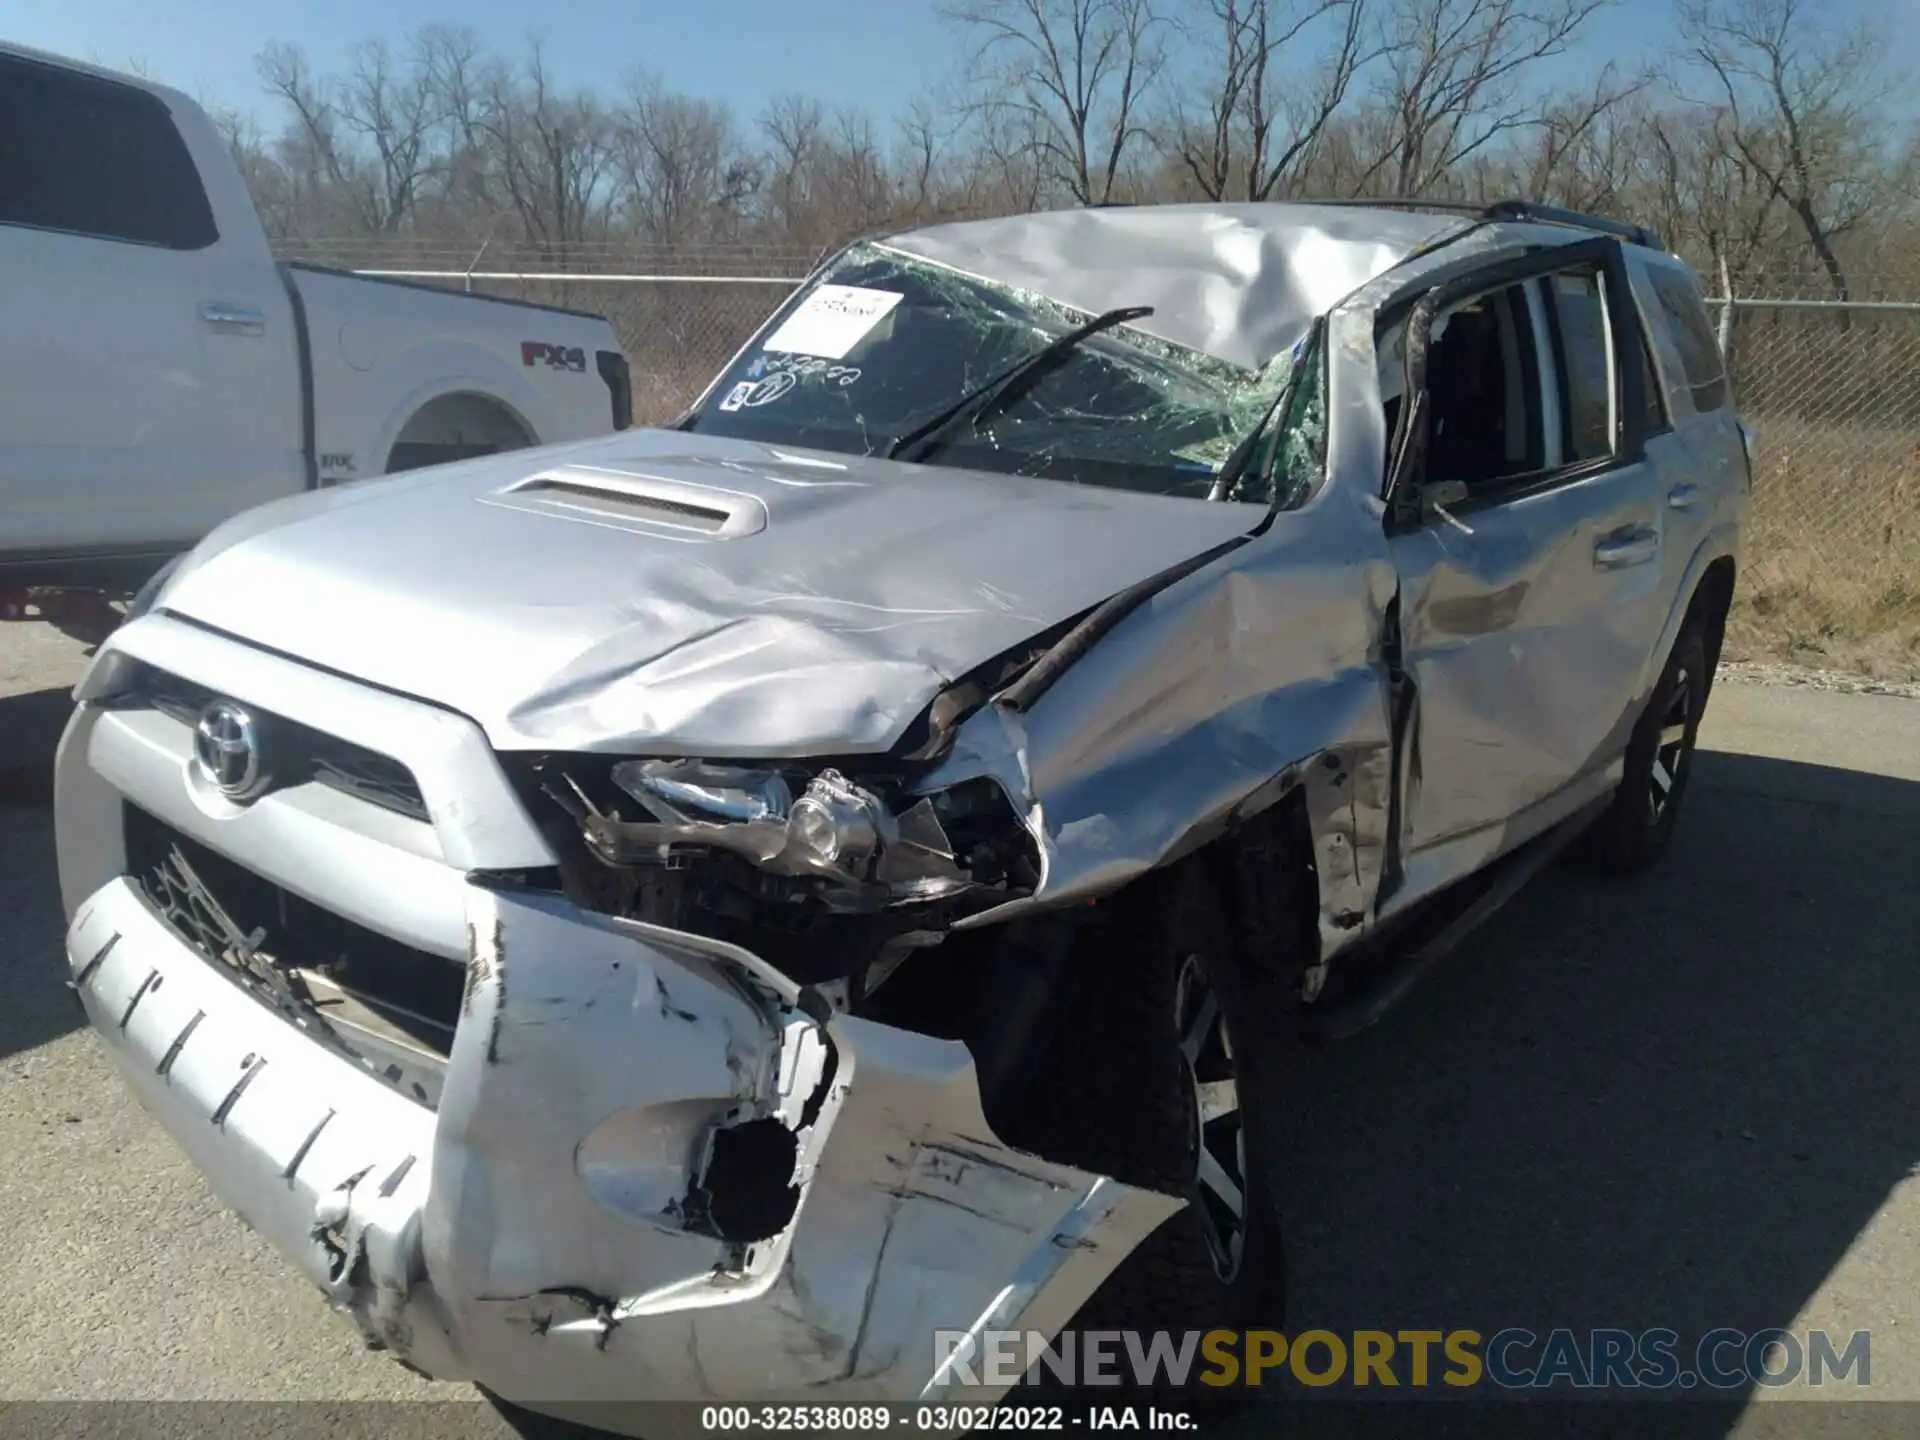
[(645, 504)]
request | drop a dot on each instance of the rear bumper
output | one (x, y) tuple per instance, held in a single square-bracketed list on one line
[(569, 1226)]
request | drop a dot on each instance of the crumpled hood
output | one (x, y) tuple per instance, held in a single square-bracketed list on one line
[(671, 593)]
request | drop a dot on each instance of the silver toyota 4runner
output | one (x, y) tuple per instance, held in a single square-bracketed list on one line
[(696, 913)]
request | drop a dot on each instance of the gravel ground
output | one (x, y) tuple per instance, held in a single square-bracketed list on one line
[(1688, 1100), (1775, 672)]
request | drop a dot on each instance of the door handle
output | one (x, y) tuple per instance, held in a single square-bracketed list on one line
[(234, 319), (1626, 547), (1683, 497)]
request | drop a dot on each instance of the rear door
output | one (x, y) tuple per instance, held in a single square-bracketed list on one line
[(148, 367), (1692, 433), (1531, 595)]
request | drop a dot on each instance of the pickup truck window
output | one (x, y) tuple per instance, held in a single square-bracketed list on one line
[(92, 157)]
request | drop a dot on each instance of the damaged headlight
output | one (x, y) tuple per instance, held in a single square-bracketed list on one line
[(863, 846), (837, 825), (678, 790)]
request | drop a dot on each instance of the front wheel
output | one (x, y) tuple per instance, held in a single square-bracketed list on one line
[(1165, 1072), (1635, 829)]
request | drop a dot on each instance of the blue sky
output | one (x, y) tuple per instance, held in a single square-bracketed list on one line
[(879, 53), (747, 51)]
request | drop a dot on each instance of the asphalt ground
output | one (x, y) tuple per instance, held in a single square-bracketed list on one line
[(1690, 1100)]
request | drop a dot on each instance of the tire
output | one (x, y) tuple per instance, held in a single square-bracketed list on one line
[(1120, 1095), (1634, 831)]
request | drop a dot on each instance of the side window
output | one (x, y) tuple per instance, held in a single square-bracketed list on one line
[(1483, 383), (93, 157), (1583, 353), (1685, 316), (1656, 390)]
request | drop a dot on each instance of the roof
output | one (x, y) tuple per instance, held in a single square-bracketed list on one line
[(174, 98), (1242, 282)]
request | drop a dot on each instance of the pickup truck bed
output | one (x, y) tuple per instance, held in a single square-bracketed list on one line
[(160, 372)]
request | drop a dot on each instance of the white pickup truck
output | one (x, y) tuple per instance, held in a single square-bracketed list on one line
[(159, 372)]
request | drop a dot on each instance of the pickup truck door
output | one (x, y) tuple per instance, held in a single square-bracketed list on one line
[(149, 382), (1532, 592)]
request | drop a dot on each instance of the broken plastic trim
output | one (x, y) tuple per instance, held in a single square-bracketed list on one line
[(747, 1192), (952, 707)]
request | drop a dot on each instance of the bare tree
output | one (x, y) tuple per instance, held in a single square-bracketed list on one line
[(921, 151), (827, 174), (266, 179), (463, 78), (793, 127), (396, 111), (1261, 122), (1778, 140), (312, 144), (1701, 193), (552, 152), (683, 176), (1010, 153), (1805, 110), (1079, 73), (1453, 83), (1583, 149), (370, 135)]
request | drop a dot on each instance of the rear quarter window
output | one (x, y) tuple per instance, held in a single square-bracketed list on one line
[(93, 157), (1683, 314)]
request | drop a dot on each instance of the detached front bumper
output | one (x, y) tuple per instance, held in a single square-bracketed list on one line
[(650, 1176)]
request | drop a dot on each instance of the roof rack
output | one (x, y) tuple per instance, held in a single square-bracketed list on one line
[(1511, 210), (1396, 202), (1525, 210)]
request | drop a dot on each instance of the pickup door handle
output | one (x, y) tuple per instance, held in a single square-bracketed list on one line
[(233, 319), (1634, 545), (1683, 497)]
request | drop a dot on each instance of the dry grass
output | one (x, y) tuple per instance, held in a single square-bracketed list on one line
[(1832, 564)]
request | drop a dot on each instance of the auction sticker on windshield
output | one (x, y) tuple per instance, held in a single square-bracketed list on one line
[(832, 320)]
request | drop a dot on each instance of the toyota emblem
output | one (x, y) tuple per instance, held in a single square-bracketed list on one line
[(226, 746)]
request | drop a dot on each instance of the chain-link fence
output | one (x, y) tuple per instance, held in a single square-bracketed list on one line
[(1832, 563), (1831, 573)]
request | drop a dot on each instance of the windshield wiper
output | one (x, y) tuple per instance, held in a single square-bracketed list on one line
[(978, 403)]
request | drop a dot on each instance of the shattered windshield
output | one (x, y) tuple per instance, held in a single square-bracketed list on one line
[(882, 341)]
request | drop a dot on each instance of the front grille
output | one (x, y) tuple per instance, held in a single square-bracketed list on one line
[(295, 753), (369, 995)]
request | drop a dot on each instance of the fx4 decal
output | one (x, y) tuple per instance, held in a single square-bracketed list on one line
[(337, 462), (556, 357)]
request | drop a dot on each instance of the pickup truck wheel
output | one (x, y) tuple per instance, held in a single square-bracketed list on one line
[(1634, 831), (1164, 1075)]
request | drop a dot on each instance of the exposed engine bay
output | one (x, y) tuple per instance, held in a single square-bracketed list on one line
[(833, 880)]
